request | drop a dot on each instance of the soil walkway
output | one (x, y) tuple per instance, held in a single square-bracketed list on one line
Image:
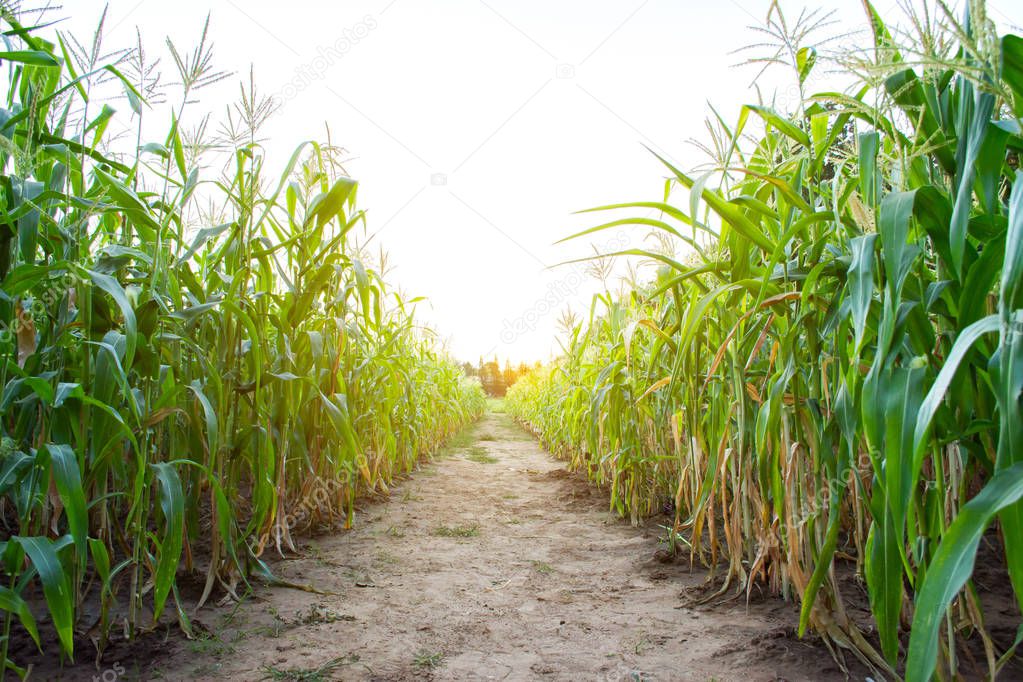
[(494, 563)]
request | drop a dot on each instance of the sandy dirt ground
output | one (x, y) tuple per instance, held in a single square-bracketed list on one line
[(490, 563)]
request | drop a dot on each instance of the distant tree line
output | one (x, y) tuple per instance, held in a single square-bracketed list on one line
[(496, 381)]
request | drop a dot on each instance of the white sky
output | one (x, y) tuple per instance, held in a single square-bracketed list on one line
[(477, 127)]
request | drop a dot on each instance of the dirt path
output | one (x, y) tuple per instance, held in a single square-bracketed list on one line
[(494, 563)]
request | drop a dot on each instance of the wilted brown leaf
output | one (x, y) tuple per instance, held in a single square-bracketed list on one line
[(25, 328)]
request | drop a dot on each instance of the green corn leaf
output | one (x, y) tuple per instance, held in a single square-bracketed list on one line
[(209, 416), (661, 206), (869, 178), (806, 57), (860, 283), (112, 287), (1012, 68), (893, 224), (329, 205), (202, 237), (137, 209), (172, 503), (12, 467), (101, 560), (645, 222), (68, 478), (67, 391), (932, 401), (1009, 381), (728, 212), (952, 566), (362, 283), (176, 146), (883, 41), (1011, 292), (56, 585), (978, 127), (780, 123), (883, 570), (12, 602), (31, 57), (27, 275)]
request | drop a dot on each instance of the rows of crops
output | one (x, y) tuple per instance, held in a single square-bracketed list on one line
[(194, 365), (832, 379)]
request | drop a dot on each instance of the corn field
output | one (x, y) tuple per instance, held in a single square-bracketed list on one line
[(830, 380), (194, 366)]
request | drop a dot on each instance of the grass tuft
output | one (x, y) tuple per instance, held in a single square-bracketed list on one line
[(318, 674), (479, 454), (542, 567), (426, 660), (467, 531)]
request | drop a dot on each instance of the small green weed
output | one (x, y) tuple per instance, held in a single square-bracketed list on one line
[(424, 659), (479, 454), (542, 567), (307, 674), (467, 531)]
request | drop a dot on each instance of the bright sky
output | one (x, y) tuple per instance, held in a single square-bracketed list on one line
[(476, 127)]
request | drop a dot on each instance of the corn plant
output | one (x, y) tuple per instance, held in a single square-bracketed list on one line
[(181, 393), (834, 370)]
